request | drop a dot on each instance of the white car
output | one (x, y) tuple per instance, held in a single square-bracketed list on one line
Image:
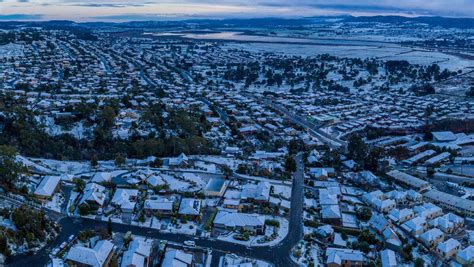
[(190, 243)]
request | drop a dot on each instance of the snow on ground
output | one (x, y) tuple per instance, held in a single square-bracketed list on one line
[(206, 166), (55, 203), (282, 191), (197, 179), (11, 50), (174, 183), (231, 162), (66, 167), (253, 241), (71, 200)]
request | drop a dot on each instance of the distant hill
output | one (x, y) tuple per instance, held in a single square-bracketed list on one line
[(270, 22), (462, 23)]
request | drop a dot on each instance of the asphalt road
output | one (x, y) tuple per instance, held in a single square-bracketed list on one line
[(278, 255)]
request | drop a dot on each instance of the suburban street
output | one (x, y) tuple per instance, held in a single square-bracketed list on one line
[(278, 255)]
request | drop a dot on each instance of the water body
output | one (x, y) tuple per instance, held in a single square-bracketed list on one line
[(243, 37)]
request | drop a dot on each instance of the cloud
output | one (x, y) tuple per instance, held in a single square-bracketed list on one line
[(120, 9), (21, 17)]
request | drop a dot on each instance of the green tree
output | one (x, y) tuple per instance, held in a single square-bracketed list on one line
[(79, 185), (419, 262), (109, 227), (358, 149), (10, 169), (94, 161), (157, 163), (290, 164), (119, 159), (84, 209)]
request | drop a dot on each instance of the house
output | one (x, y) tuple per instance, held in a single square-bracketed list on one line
[(331, 214), (448, 248), (336, 257), (254, 223), (378, 223), (125, 199), (378, 201), (259, 193), (388, 258), (319, 173), (414, 196), (138, 254), (158, 206), (466, 256), (98, 256), (47, 187), (94, 195), (177, 258), (401, 216), (432, 237), (190, 207), (325, 232), (367, 177), (451, 202), (399, 196), (409, 180), (444, 136), (350, 164), (428, 210), (416, 225), (181, 160), (102, 177), (391, 239), (448, 223), (230, 203)]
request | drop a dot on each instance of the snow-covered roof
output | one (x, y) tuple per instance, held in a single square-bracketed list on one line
[(158, 203), (177, 258), (95, 256), (47, 186), (444, 136), (449, 245), (338, 255), (190, 206), (138, 250), (260, 191), (101, 177), (232, 219), (388, 258)]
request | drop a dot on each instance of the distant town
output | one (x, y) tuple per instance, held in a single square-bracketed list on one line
[(332, 142)]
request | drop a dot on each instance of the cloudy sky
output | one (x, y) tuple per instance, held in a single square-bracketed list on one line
[(123, 10)]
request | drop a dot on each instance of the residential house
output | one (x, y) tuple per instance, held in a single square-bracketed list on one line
[(448, 248), (97, 256), (401, 216), (254, 223), (177, 258), (388, 258), (158, 206), (125, 199), (47, 187), (339, 257), (466, 256), (259, 193), (432, 237), (416, 225), (138, 254), (190, 207), (94, 195), (428, 210)]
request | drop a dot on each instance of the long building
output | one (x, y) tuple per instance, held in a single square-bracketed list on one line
[(450, 201), (409, 180)]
